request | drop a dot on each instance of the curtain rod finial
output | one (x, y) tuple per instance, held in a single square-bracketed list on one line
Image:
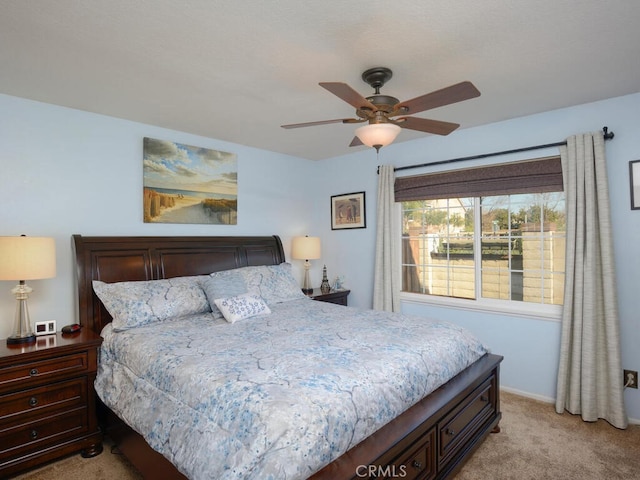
[(607, 134)]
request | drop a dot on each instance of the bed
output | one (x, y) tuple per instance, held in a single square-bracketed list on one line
[(410, 430)]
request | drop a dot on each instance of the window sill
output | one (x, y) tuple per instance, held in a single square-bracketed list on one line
[(499, 307)]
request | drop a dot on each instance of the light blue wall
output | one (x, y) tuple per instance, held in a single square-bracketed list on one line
[(64, 171), (530, 346)]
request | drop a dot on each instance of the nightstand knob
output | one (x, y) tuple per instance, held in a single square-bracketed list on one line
[(34, 434), (33, 372), (417, 464), (450, 431), (33, 401)]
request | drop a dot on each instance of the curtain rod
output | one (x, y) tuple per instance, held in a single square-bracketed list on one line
[(607, 136)]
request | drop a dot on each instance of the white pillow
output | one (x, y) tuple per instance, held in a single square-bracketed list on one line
[(242, 306)]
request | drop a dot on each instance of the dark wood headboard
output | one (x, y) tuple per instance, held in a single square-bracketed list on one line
[(118, 259)]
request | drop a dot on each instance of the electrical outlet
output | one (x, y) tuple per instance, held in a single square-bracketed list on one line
[(630, 379)]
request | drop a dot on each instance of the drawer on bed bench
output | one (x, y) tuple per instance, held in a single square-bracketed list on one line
[(417, 462), (31, 373), (463, 422)]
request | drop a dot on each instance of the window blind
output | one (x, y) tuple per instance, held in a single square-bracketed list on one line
[(531, 176)]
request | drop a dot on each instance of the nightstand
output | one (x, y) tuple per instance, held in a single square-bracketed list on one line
[(47, 400), (334, 296)]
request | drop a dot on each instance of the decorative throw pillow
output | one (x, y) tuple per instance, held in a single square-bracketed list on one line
[(227, 283), (133, 304), (241, 306)]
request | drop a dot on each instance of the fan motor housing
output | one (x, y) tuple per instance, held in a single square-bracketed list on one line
[(383, 102)]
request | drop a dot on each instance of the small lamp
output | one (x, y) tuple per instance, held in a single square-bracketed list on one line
[(25, 258), (378, 135), (306, 248)]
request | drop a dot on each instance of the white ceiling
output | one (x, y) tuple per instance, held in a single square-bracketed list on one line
[(237, 70)]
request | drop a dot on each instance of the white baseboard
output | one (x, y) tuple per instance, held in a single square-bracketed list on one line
[(533, 396), (541, 398)]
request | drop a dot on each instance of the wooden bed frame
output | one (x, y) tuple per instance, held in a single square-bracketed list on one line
[(431, 440)]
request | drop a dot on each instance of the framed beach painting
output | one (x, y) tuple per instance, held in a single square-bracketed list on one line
[(186, 184), (634, 178), (348, 211)]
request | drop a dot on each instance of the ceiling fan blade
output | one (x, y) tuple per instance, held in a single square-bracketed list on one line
[(445, 96), (321, 122), (427, 125), (348, 94), (355, 142)]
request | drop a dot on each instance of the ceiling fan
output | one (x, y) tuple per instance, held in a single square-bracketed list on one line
[(386, 115)]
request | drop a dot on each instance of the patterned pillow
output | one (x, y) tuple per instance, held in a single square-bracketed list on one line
[(241, 306), (279, 285), (274, 283), (133, 304)]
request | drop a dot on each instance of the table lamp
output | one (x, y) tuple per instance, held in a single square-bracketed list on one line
[(25, 258), (306, 248)]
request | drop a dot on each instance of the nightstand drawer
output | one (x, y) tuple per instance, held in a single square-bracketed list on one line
[(36, 434), (26, 374), (20, 406)]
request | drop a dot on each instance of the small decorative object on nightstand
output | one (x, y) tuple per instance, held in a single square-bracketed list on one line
[(47, 406), (324, 286), (338, 297)]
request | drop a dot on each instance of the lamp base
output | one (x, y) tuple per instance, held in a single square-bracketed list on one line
[(22, 332), (307, 289), (14, 340)]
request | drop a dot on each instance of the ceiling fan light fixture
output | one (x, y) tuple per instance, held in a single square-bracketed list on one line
[(378, 135)]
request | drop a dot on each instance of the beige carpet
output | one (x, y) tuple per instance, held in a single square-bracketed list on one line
[(535, 444), (106, 466)]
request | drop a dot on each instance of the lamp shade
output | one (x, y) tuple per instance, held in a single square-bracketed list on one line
[(378, 134), (27, 258), (305, 248)]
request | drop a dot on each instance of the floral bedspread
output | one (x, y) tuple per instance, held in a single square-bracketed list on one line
[(276, 396)]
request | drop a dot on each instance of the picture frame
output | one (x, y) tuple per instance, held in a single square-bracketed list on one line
[(188, 184), (634, 183), (348, 211)]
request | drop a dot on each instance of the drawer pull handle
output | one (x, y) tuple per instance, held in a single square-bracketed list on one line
[(417, 464), (34, 434), (33, 401), (450, 431), (484, 398), (33, 372)]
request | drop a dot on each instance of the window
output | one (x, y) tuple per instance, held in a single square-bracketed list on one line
[(488, 248)]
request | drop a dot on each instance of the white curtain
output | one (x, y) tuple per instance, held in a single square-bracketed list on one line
[(589, 374), (386, 280)]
